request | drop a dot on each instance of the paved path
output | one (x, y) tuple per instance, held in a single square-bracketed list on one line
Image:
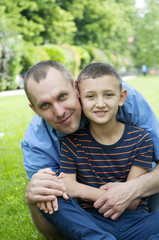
[(12, 92), (21, 91)]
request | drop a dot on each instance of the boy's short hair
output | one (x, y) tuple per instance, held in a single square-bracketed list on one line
[(99, 69)]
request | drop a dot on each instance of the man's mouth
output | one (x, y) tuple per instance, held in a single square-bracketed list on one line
[(66, 119)]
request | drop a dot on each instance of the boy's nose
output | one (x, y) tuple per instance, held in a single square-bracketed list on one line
[(100, 103)]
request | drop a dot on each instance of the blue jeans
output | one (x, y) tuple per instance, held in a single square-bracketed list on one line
[(153, 203), (77, 224)]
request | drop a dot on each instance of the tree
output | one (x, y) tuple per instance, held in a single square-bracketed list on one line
[(102, 23), (40, 20), (147, 35)]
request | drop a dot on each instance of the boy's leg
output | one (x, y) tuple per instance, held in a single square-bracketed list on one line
[(139, 225), (75, 223)]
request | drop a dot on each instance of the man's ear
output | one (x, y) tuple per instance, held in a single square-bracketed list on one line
[(76, 88), (123, 96), (33, 108)]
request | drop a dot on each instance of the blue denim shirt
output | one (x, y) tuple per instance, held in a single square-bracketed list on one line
[(41, 143)]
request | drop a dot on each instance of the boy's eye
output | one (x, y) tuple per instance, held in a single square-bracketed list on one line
[(90, 96), (109, 94)]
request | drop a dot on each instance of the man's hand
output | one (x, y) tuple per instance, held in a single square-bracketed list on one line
[(117, 198), (44, 187)]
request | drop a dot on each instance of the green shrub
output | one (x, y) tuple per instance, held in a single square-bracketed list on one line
[(97, 55), (10, 67)]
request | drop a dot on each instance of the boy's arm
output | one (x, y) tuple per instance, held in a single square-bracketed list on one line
[(135, 172), (79, 190)]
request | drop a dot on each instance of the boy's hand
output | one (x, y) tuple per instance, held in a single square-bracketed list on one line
[(48, 207)]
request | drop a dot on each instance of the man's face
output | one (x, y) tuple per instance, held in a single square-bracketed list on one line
[(56, 100)]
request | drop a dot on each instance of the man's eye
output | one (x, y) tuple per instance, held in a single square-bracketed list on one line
[(45, 106), (63, 96)]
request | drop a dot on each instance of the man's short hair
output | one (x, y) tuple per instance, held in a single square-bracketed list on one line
[(39, 71), (99, 69)]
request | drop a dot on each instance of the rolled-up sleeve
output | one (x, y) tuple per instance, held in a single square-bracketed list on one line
[(40, 148)]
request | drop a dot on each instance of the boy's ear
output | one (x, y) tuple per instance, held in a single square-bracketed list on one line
[(76, 88), (123, 96)]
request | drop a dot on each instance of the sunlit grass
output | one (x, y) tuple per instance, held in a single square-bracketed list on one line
[(15, 221), (149, 87)]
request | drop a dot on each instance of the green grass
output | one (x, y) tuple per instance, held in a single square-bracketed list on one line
[(149, 87), (15, 115), (15, 221)]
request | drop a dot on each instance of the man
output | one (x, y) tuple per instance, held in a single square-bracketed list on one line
[(54, 99)]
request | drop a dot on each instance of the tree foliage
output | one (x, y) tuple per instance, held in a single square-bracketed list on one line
[(91, 30), (147, 35)]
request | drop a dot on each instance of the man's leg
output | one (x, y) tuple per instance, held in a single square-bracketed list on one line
[(153, 203), (75, 223), (139, 225)]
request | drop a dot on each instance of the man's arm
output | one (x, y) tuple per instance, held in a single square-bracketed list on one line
[(120, 195), (135, 172), (40, 151), (137, 111), (147, 184), (44, 186)]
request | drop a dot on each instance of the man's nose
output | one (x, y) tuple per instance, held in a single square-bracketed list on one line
[(58, 110)]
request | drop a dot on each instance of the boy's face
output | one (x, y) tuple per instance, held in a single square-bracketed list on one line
[(100, 98), (56, 100)]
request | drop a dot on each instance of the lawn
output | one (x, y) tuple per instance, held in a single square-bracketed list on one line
[(15, 221), (149, 87)]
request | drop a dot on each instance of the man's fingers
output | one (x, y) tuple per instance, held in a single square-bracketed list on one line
[(99, 203), (104, 187), (115, 216), (47, 171), (44, 176)]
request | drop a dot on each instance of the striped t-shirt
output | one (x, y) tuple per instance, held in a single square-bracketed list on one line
[(96, 164)]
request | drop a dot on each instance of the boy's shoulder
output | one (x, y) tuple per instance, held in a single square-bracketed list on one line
[(132, 129)]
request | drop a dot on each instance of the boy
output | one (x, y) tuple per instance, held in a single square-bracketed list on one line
[(107, 150)]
